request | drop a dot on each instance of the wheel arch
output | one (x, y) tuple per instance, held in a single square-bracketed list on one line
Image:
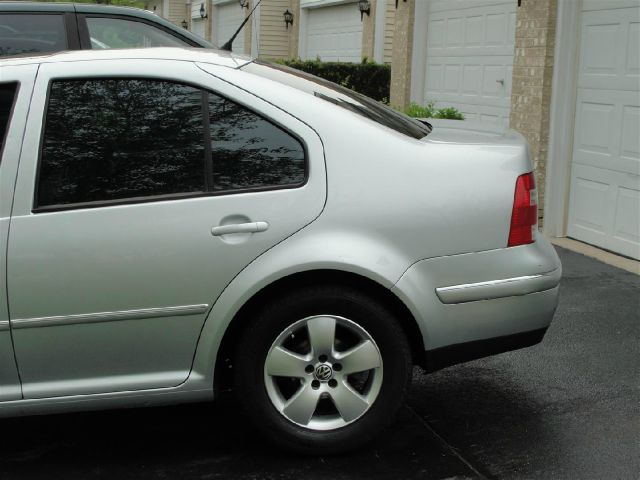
[(223, 365)]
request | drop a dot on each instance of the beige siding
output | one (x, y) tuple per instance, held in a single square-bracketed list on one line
[(389, 26), (177, 12), (155, 7), (274, 37)]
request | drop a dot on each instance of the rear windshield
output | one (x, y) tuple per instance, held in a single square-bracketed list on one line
[(341, 96)]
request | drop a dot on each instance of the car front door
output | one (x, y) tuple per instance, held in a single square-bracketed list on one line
[(127, 224)]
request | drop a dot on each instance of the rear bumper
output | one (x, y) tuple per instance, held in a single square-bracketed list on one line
[(465, 352), (477, 304)]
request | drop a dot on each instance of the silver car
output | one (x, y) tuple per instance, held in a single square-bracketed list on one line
[(178, 222)]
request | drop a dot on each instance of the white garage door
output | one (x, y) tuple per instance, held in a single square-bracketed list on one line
[(604, 203), (470, 46), (227, 19), (334, 33), (197, 26)]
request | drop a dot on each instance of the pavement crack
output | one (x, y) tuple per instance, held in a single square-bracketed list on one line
[(448, 447)]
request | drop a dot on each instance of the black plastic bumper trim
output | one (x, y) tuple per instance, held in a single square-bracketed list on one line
[(443, 357)]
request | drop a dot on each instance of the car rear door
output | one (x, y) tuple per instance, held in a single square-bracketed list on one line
[(16, 85), (110, 277)]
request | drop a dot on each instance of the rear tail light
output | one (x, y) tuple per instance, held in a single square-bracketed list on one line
[(524, 218)]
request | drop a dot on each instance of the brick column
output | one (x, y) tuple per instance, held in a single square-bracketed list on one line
[(369, 32), (531, 82), (209, 20), (294, 36), (248, 28), (402, 52)]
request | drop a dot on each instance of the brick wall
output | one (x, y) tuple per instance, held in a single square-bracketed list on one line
[(531, 83), (402, 52)]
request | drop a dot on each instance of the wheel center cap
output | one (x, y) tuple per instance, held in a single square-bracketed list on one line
[(323, 372)]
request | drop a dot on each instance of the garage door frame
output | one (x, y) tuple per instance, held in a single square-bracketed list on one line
[(562, 115)]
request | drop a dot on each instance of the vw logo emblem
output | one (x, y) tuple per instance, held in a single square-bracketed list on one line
[(324, 372)]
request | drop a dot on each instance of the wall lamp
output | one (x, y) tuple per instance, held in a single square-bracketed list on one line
[(203, 12), (184, 24), (288, 18), (244, 4), (365, 7)]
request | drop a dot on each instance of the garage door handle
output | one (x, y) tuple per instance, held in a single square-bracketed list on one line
[(252, 227)]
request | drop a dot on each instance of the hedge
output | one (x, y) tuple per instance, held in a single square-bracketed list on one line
[(430, 111), (369, 78)]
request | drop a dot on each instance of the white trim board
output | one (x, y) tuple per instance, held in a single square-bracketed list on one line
[(562, 118)]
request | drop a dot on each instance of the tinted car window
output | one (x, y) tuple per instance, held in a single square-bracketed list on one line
[(119, 33), (341, 96), (114, 139), (27, 33), (249, 151), (7, 97)]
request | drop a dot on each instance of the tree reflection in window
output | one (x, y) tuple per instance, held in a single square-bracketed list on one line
[(116, 139), (249, 151)]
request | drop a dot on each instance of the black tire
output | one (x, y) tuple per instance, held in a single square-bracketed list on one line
[(280, 314)]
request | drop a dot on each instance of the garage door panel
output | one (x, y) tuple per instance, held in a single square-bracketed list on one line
[(488, 30), (605, 209), (197, 27), (466, 78), (334, 33), (610, 52), (607, 130)]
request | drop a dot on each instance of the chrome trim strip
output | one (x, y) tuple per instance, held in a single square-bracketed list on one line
[(492, 289), (100, 317), (4, 325)]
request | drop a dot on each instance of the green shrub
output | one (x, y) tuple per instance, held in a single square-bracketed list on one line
[(369, 78), (430, 111)]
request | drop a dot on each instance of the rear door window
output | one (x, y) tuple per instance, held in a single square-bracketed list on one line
[(26, 33), (110, 32), (132, 140), (7, 98)]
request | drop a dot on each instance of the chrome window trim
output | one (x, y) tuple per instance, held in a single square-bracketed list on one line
[(4, 325), (492, 289), (101, 317)]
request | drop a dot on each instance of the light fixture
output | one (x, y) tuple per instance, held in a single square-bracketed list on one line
[(365, 7), (405, 1), (288, 18), (203, 12), (184, 24), (244, 4)]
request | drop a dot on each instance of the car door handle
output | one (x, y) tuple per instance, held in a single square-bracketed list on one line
[(252, 227)]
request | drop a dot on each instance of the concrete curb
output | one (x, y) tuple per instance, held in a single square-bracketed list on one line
[(609, 258)]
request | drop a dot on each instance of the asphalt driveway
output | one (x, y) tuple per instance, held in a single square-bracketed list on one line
[(567, 408)]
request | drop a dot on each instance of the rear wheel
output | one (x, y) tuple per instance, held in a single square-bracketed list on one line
[(322, 370)]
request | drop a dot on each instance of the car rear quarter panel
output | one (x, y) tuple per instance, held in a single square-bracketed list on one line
[(392, 201)]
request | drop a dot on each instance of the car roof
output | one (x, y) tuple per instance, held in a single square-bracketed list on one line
[(88, 8), (203, 55)]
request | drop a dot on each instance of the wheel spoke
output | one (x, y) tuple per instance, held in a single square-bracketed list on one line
[(285, 363), (301, 406), (360, 358), (350, 404), (322, 332)]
